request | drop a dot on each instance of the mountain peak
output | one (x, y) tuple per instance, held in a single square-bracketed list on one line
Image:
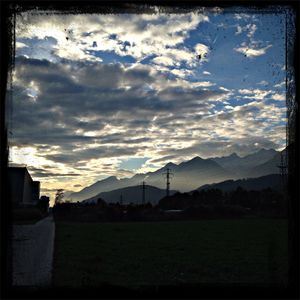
[(263, 150), (196, 161), (170, 164), (197, 158), (234, 155), (110, 178)]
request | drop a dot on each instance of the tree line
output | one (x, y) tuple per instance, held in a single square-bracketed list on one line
[(211, 203), (258, 201)]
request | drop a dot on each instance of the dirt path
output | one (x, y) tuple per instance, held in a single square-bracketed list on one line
[(33, 253)]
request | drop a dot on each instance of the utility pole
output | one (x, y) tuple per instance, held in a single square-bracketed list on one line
[(143, 194), (283, 170), (121, 200), (168, 175)]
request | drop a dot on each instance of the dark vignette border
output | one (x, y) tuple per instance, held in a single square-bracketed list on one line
[(7, 51)]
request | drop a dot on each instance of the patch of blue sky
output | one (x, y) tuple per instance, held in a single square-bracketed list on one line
[(38, 48), (113, 36), (281, 123), (133, 163), (199, 35), (219, 106), (147, 60), (271, 127), (225, 72), (280, 103), (233, 69), (112, 57), (240, 102)]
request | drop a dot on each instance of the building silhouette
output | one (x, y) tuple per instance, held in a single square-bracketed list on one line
[(22, 189)]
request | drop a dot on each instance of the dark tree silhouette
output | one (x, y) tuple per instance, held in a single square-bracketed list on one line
[(59, 196)]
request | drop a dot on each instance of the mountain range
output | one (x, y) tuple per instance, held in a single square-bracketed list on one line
[(241, 165), (192, 174)]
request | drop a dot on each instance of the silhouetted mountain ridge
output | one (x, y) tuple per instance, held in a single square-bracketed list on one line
[(132, 194), (190, 174), (242, 166), (272, 181)]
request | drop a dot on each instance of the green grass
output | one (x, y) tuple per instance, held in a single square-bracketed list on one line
[(242, 252)]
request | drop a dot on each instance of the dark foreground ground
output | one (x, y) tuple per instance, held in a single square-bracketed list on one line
[(32, 246), (251, 252)]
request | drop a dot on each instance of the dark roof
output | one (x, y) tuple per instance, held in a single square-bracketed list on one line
[(19, 171)]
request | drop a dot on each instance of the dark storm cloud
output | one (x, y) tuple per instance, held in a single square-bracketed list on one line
[(190, 94), (163, 159), (139, 140), (242, 146), (73, 98), (39, 172), (104, 152)]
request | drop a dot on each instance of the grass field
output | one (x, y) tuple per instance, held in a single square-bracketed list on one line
[(242, 252)]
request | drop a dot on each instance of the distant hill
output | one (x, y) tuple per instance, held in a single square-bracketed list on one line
[(105, 185), (131, 194), (269, 181)]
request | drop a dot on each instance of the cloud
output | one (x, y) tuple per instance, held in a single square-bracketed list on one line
[(163, 60), (252, 52), (263, 82), (91, 113), (85, 37), (182, 73), (202, 50), (279, 85), (124, 173), (21, 45), (250, 28), (241, 146), (257, 94), (279, 97), (84, 112), (239, 29), (241, 16)]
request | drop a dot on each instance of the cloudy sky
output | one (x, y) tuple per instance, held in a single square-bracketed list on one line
[(99, 95)]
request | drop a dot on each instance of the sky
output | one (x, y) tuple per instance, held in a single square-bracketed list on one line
[(96, 95)]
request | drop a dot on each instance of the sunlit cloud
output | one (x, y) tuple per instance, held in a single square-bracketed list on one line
[(252, 52)]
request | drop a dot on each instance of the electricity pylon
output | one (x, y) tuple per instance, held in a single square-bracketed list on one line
[(283, 169), (168, 175), (143, 194)]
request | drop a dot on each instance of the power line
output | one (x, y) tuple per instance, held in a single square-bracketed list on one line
[(283, 168), (143, 193), (168, 176)]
